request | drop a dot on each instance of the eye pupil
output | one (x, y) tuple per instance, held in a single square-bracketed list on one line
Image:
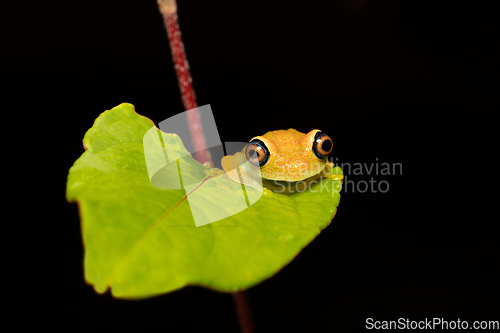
[(253, 154), (327, 145)]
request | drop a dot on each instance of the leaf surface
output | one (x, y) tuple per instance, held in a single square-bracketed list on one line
[(141, 240)]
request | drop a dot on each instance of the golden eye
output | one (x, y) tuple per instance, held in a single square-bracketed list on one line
[(257, 153), (322, 145)]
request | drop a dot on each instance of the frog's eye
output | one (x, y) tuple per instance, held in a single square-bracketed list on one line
[(322, 145), (257, 152)]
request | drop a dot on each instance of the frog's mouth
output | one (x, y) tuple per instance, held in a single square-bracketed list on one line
[(290, 187), (292, 172)]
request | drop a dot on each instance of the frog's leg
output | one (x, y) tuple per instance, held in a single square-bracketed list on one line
[(232, 166)]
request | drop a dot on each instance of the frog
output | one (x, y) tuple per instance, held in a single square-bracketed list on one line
[(282, 157)]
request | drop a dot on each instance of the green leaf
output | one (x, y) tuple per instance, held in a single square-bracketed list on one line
[(141, 240)]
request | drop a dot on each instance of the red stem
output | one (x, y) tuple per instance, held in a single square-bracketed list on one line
[(168, 9), (244, 313)]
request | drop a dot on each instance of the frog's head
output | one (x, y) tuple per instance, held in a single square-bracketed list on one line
[(289, 155)]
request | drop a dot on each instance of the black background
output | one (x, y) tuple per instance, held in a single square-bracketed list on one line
[(406, 82)]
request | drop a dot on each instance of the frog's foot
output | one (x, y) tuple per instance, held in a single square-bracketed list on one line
[(333, 177), (212, 172), (332, 172)]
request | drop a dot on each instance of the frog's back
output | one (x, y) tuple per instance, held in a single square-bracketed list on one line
[(284, 136)]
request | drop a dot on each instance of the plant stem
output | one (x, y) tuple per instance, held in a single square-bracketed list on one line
[(243, 311), (168, 9)]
